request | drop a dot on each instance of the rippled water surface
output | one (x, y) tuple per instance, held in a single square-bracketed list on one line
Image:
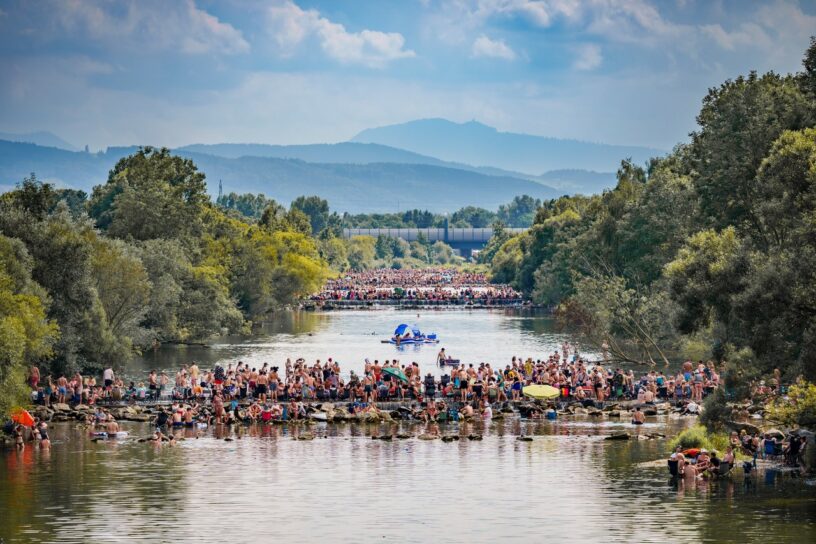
[(263, 485)]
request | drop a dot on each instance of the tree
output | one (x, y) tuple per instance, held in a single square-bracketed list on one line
[(506, 261), (471, 216), (739, 122), (632, 325), (361, 252), (383, 248), (706, 272), (123, 287), (151, 194), (442, 253), (316, 209), (335, 253), (520, 212), (26, 334), (248, 205)]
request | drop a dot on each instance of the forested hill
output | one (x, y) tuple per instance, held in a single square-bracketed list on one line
[(355, 188)]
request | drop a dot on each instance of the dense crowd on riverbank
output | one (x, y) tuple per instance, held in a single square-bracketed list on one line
[(430, 284)]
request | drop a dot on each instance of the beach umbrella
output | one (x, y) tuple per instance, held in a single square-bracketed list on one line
[(541, 392), (23, 418), (396, 372)]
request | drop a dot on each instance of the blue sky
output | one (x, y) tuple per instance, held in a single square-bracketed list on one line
[(172, 72)]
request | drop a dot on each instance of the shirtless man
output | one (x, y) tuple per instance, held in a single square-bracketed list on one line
[(689, 473), (112, 427), (638, 418), (261, 386), (218, 407)]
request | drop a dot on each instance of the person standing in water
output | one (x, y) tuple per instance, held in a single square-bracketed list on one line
[(441, 357)]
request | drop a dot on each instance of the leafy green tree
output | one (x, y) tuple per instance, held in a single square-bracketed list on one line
[(123, 287), (442, 253), (249, 205), (471, 216), (507, 260), (520, 212), (26, 334), (383, 248), (151, 194), (361, 252), (399, 248), (739, 122), (316, 210), (335, 253)]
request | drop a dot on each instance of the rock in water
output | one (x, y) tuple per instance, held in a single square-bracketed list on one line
[(618, 436)]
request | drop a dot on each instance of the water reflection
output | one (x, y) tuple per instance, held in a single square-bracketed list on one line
[(568, 483)]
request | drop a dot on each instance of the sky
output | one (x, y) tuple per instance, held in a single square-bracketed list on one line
[(175, 72)]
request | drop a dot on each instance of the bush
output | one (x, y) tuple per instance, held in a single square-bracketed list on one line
[(693, 437), (698, 437), (798, 407), (715, 411)]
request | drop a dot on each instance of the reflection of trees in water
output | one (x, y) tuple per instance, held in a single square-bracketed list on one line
[(85, 488)]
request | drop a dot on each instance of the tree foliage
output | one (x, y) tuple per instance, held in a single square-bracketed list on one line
[(715, 242)]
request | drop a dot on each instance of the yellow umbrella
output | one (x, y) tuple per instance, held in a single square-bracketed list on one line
[(541, 392)]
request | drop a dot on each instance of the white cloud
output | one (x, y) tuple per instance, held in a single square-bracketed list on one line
[(151, 24), (291, 25), (589, 57), (497, 49), (748, 34)]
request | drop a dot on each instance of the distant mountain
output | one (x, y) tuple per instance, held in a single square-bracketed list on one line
[(585, 182), (344, 152), (46, 139), (356, 188), (572, 180), (480, 145)]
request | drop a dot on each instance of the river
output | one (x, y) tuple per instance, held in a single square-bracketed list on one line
[(567, 484)]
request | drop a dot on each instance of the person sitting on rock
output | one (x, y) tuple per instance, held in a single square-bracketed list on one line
[(430, 413)]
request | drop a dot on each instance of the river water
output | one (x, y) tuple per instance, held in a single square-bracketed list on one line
[(567, 484)]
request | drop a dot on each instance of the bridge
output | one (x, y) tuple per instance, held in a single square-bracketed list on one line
[(464, 240)]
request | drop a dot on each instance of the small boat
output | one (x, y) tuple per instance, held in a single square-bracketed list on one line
[(404, 335)]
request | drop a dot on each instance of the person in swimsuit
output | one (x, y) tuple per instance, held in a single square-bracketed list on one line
[(638, 418)]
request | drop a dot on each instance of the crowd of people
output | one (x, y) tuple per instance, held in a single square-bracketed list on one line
[(565, 370), (427, 285)]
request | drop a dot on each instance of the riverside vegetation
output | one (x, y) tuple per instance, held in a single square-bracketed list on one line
[(706, 253)]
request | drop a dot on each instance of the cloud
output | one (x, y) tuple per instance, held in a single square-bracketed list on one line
[(748, 34), (497, 49), (291, 25), (589, 57), (150, 24)]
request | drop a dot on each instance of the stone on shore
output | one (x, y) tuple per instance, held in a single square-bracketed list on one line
[(739, 426)]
